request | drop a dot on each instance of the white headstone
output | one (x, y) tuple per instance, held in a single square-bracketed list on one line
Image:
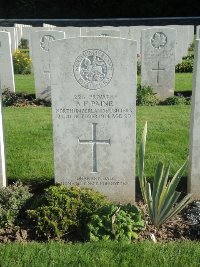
[(103, 32), (3, 181), (6, 63), (13, 36), (93, 104), (158, 60), (40, 42), (198, 32), (69, 31), (48, 25), (194, 170)]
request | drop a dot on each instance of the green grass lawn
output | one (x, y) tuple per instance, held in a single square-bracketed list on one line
[(101, 254), (25, 83), (183, 82), (29, 145)]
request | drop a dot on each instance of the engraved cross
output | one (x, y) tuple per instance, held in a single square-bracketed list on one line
[(158, 69), (94, 142)]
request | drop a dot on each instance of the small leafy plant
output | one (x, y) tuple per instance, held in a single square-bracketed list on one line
[(13, 200), (146, 96), (64, 210), (186, 65), (175, 100), (162, 197), (115, 223), (21, 62)]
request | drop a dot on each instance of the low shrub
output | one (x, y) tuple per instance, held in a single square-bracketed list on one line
[(21, 62), (13, 200), (174, 100), (186, 65), (63, 210), (9, 98), (146, 96), (115, 223)]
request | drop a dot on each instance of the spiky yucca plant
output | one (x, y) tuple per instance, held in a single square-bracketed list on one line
[(161, 198)]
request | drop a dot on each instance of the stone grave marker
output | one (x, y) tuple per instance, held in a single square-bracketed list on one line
[(69, 31), (93, 83), (198, 32), (158, 60), (194, 166), (103, 32), (3, 181), (40, 42), (6, 63), (13, 36)]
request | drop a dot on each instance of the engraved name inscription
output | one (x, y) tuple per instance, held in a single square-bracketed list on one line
[(93, 69)]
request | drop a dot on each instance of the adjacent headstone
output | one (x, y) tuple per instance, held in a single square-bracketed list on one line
[(158, 60), (13, 36), (48, 25), (69, 31), (198, 32), (103, 32), (6, 63), (3, 181), (40, 42), (194, 170), (93, 103)]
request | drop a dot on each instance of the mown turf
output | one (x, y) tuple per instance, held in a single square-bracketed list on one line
[(101, 254), (29, 144), (25, 83), (183, 82)]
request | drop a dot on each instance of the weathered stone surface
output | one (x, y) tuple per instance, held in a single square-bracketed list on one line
[(194, 170), (93, 83), (6, 63), (3, 181), (103, 32), (158, 60), (40, 58), (13, 36)]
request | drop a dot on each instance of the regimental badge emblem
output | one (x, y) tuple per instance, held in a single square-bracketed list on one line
[(158, 40), (93, 69), (45, 41)]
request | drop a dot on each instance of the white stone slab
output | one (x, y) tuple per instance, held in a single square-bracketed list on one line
[(103, 32), (40, 59), (69, 31), (94, 109), (194, 170), (198, 32), (3, 180), (158, 60), (6, 63), (13, 38), (48, 25)]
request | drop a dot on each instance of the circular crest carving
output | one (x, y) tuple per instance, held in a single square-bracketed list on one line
[(158, 40), (93, 69), (45, 41)]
